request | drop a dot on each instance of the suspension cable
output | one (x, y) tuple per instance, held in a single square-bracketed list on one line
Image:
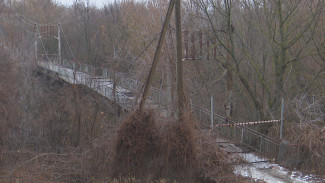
[(65, 37), (31, 22), (133, 61), (41, 41), (19, 23)]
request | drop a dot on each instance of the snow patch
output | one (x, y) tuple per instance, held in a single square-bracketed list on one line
[(259, 169)]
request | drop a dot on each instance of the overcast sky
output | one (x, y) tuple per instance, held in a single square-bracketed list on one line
[(98, 3)]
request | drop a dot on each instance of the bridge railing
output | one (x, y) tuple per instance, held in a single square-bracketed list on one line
[(241, 134), (156, 95), (263, 144)]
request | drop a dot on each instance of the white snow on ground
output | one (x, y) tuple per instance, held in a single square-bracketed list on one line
[(271, 172)]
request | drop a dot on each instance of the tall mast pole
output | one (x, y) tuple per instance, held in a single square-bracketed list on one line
[(179, 47), (157, 54), (36, 44), (59, 43)]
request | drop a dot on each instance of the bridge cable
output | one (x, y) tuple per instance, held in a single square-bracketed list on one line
[(65, 37), (28, 31), (77, 17), (133, 62), (41, 41), (31, 22), (136, 58)]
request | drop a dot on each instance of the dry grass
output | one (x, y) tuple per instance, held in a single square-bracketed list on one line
[(137, 146), (171, 151), (178, 152), (306, 150)]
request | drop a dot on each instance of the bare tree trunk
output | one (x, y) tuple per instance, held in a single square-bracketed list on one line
[(229, 104), (281, 61), (229, 65)]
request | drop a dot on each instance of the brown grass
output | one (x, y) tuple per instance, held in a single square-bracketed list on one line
[(306, 150), (178, 152), (144, 152), (171, 151)]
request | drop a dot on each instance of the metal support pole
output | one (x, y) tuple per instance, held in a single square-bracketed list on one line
[(179, 48), (36, 38), (212, 120), (208, 45), (157, 54), (261, 144), (282, 143), (201, 44), (282, 112), (59, 43), (242, 135)]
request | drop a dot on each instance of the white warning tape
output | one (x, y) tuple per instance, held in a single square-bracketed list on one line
[(248, 123)]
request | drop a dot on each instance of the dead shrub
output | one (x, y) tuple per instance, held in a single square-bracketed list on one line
[(178, 152), (146, 153), (306, 149), (101, 157), (137, 146), (214, 164), (173, 152)]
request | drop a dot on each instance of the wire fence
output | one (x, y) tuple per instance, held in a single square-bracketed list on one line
[(243, 135)]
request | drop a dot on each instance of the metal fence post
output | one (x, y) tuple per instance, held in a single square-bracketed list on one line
[(35, 43), (212, 120), (281, 144), (261, 144), (242, 135), (104, 73), (59, 43), (282, 111)]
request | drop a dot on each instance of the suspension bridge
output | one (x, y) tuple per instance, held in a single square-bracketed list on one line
[(128, 89), (125, 91)]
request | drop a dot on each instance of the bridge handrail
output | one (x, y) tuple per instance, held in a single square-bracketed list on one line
[(131, 84)]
